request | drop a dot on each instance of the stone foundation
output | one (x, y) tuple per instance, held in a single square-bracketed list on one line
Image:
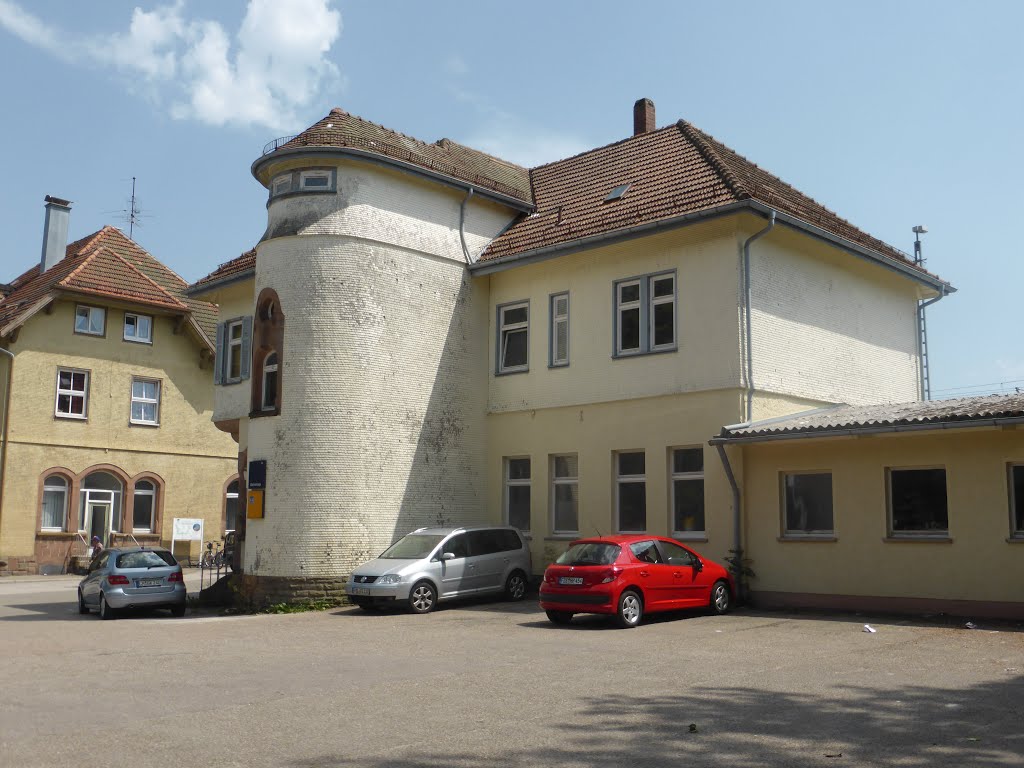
[(255, 592), (18, 566)]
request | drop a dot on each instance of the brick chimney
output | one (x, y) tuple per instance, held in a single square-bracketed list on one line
[(55, 232), (643, 116)]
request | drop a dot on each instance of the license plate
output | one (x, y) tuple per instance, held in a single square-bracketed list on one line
[(149, 582), (359, 591), (570, 580)]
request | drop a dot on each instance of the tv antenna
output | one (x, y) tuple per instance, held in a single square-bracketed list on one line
[(132, 215)]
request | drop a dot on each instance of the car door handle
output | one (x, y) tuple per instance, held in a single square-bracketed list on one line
[(678, 575), (644, 573)]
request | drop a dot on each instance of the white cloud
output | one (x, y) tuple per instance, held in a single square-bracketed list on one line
[(275, 66)]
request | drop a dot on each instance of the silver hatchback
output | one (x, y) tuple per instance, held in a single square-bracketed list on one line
[(132, 577), (433, 564)]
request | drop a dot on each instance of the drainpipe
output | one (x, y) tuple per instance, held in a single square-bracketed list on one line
[(737, 537), (462, 226), (3, 429), (922, 341), (746, 311)]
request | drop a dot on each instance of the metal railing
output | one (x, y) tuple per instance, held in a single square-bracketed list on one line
[(271, 146)]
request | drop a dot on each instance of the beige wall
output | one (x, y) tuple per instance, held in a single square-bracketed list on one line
[(231, 401), (978, 565), (595, 433)]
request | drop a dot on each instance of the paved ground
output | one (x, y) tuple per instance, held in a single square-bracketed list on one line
[(496, 685)]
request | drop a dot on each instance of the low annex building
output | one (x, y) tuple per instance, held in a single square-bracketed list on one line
[(426, 334), (106, 373)]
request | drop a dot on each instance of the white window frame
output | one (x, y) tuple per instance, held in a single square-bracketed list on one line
[(268, 369), (689, 476), (66, 492), (90, 312), (229, 343), (284, 180), (155, 402), (789, 533), (152, 505), (505, 329), (83, 393), (557, 482), (509, 483), (304, 176), (558, 319), (621, 480), (136, 338), (1015, 531), (645, 305)]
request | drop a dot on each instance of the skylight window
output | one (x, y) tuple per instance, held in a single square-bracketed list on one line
[(616, 193)]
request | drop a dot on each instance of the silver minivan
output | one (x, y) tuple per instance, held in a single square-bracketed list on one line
[(432, 564)]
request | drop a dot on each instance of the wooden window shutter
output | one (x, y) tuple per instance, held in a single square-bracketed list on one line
[(219, 356), (246, 348)]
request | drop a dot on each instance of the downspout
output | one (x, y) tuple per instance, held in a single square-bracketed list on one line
[(747, 313), (3, 430), (922, 363), (462, 226), (737, 538)]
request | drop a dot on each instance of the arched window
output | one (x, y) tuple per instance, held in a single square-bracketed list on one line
[(99, 511), (144, 507), (55, 503), (231, 507), (268, 343)]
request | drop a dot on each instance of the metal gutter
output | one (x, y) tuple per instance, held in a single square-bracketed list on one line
[(747, 311), (373, 157), (4, 430), (724, 439), (237, 277)]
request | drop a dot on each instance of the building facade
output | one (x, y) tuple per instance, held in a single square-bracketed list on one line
[(107, 403)]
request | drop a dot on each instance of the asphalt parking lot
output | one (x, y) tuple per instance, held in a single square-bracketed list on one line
[(494, 684)]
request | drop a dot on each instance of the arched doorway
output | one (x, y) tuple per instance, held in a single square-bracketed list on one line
[(101, 505)]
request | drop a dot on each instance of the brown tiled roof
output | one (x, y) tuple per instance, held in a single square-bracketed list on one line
[(671, 172), (853, 418), (446, 157), (107, 264), (229, 270)]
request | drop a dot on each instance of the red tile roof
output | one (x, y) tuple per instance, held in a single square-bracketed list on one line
[(106, 265), (671, 172), (237, 268)]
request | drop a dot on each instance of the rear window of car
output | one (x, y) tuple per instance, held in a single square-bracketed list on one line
[(145, 560), (590, 553), (415, 546)]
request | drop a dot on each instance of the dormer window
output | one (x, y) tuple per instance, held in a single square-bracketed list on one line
[(92, 321)]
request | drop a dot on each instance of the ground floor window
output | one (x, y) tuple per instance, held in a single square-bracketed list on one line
[(917, 502), (1017, 500), (55, 503), (231, 507), (687, 496), (807, 499), (631, 491), (517, 492), (144, 507), (565, 493)]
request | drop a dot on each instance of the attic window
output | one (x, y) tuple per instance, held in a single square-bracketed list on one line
[(315, 180), (282, 184), (616, 193)]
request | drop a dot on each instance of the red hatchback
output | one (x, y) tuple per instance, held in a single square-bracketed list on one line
[(627, 576)]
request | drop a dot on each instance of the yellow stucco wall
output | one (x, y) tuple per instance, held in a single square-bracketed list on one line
[(979, 564), (192, 457), (595, 433)]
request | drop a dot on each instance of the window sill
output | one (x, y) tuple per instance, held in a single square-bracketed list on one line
[(512, 372), (691, 537), (70, 417), (787, 539), (143, 423), (93, 335), (140, 341), (56, 535), (918, 540), (643, 353), (556, 366), (261, 414), (301, 193), (1015, 540)]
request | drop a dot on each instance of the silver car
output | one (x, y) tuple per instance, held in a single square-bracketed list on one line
[(132, 577), (433, 564)]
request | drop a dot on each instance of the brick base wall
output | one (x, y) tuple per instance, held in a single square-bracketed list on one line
[(255, 592), (18, 566)]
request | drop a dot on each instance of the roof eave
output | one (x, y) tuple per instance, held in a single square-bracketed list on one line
[(22, 317), (373, 157), (195, 291), (934, 426)]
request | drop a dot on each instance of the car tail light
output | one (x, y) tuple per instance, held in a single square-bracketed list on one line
[(609, 576), (117, 580), (176, 576)]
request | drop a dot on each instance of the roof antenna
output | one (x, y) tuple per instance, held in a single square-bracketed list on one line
[(133, 212)]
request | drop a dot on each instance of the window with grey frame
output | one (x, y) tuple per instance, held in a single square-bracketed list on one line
[(517, 492), (645, 314), (234, 351), (559, 331), (565, 493), (1016, 480), (513, 337), (918, 504), (687, 472), (631, 492), (807, 501)]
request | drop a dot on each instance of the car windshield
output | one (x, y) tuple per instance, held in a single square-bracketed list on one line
[(415, 546), (590, 553), (145, 560)]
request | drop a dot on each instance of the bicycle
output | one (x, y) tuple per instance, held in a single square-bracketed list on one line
[(211, 559)]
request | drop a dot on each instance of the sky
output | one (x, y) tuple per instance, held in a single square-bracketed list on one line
[(892, 114)]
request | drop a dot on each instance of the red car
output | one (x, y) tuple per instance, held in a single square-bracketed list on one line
[(626, 576)]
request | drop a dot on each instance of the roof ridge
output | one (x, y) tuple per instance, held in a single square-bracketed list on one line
[(696, 137), (106, 249), (368, 122), (88, 240), (615, 143)]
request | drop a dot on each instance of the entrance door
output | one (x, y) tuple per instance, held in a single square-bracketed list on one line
[(98, 520)]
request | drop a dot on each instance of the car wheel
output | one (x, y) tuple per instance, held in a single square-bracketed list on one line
[(82, 607), (631, 609), (106, 612), (423, 597), (178, 610), (515, 587), (559, 617), (721, 600)]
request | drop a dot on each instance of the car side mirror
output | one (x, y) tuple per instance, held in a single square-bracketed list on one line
[(447, 555)]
